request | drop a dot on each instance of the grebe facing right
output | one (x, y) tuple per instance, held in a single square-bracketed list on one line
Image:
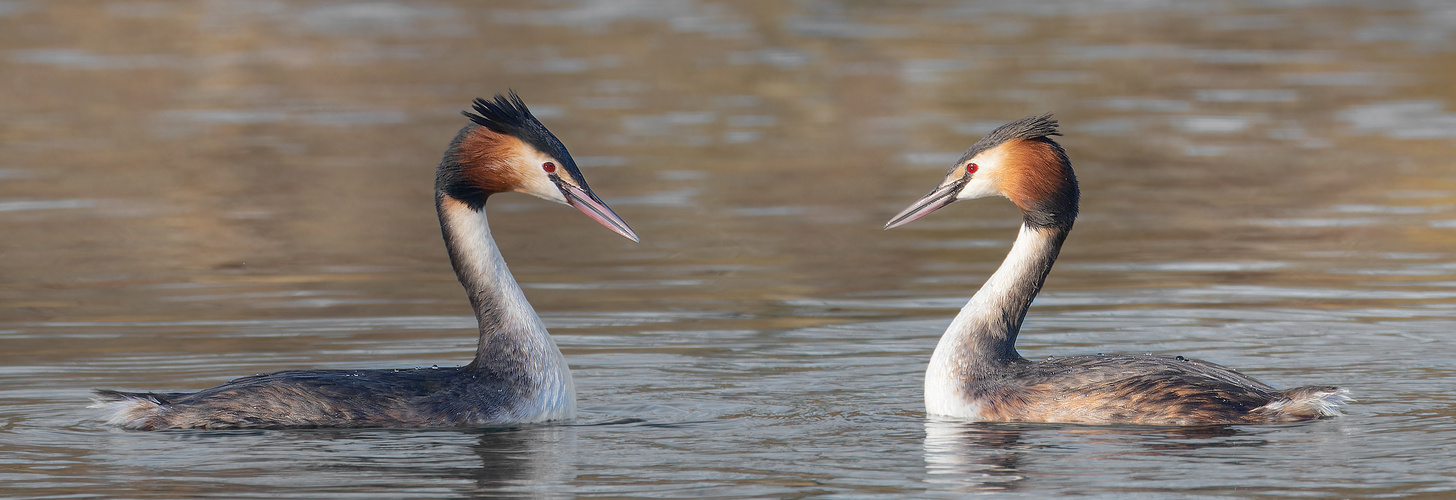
[(518, 374), (976, 373)]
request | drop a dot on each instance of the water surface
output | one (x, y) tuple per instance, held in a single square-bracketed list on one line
[(195, 191)]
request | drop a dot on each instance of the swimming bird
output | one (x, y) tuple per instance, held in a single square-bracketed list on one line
[(976, 373), (518, 374)]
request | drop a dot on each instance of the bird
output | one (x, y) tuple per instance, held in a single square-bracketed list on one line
[(518, 375), (975, 372)]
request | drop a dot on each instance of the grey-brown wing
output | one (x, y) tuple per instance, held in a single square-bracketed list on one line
[(1140, 389)]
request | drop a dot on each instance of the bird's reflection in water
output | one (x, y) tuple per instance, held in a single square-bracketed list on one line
[(990, 457), (522, 461), (974, 456), (527, 461)]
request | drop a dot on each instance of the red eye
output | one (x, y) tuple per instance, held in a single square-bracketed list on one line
[(548, 167), (971, 168)]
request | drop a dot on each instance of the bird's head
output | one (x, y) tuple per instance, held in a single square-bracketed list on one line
[(506, 149), (1018, 161)]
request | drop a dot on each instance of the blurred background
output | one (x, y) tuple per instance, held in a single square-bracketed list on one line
[(192, 191)]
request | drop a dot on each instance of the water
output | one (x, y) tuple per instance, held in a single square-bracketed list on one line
[(195, 191)]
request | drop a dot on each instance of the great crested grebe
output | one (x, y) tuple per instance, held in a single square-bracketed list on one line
[(518, 374), (976, 373)]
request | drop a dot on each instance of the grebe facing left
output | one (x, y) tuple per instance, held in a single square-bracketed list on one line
[(518, 374), (976, 373)]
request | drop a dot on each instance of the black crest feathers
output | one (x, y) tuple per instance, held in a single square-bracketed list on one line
[(508, 114), (1031, 127)]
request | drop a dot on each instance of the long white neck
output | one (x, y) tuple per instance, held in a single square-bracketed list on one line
[(514, 344), (983, 336)]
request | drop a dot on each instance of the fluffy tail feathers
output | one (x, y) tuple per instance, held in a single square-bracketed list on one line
[(130, 410), (1307, 403)]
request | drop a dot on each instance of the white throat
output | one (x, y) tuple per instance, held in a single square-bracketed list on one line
[(982, 337), (513, 342)]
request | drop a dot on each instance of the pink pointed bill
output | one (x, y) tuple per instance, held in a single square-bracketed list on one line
[(935, 200), (584, 200)]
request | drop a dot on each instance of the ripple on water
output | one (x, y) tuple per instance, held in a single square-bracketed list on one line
[(1419, 119), (29, 205)]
